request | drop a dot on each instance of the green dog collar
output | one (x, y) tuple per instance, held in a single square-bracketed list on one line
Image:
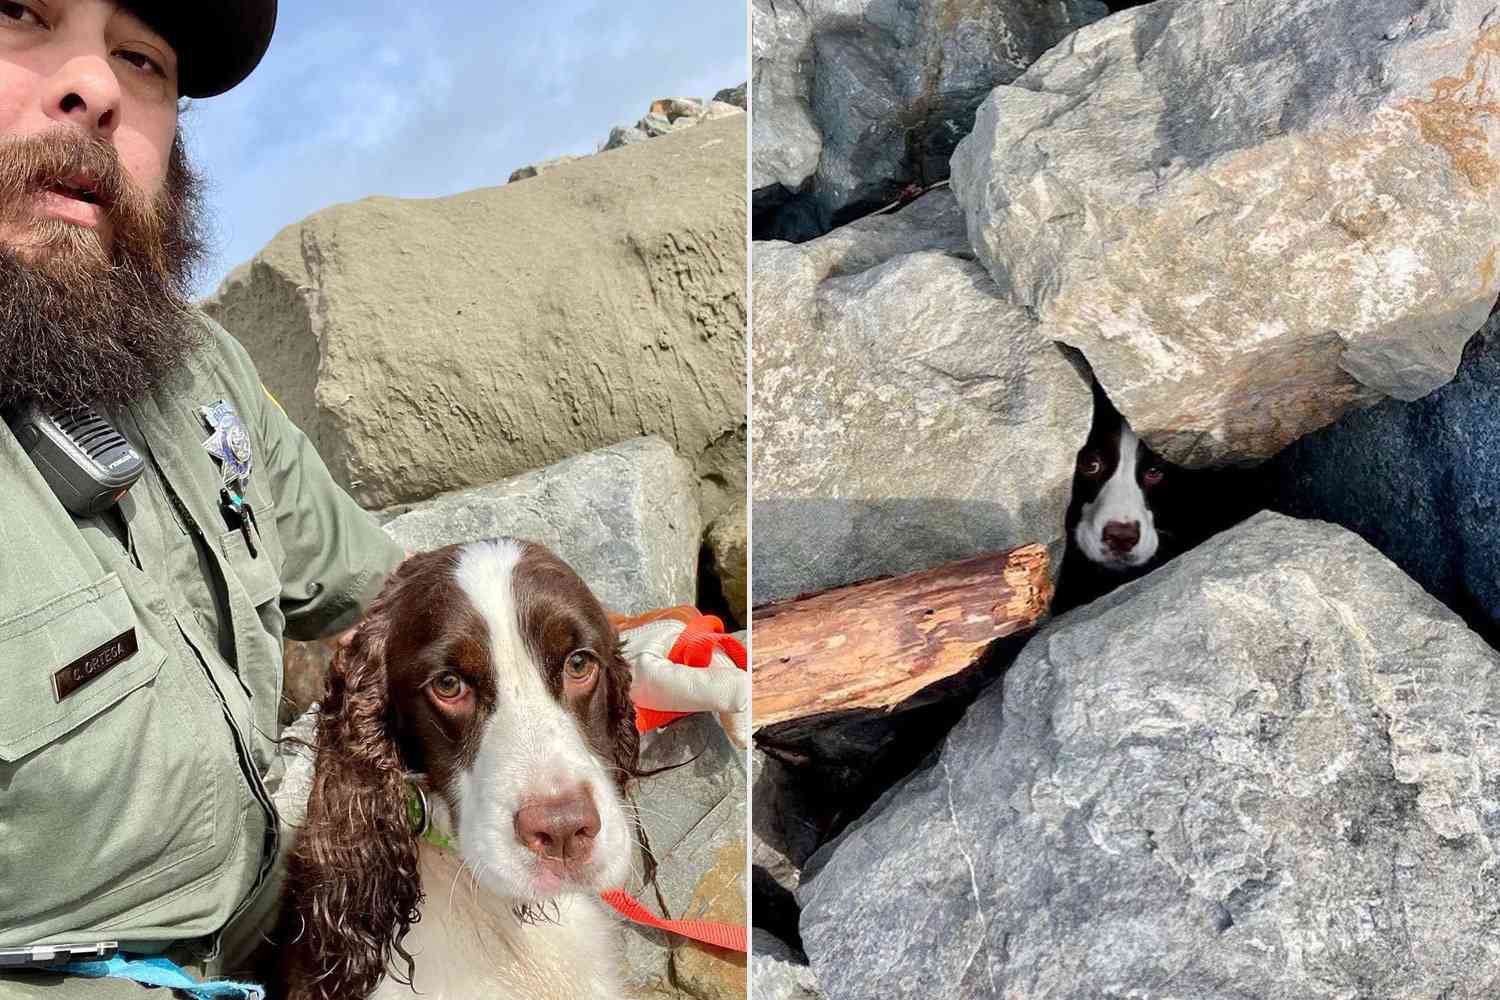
[(419, 813)]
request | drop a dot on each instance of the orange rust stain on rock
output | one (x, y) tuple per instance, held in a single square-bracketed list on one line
[(1450, 119), (1487, 270)]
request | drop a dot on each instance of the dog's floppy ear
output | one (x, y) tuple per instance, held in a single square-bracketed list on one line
[(352, 882), (627, 739)]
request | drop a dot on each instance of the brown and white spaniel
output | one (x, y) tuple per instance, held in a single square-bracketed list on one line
[(486, 676)]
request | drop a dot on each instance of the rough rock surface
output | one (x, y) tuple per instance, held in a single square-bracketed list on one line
[(1268, 769), (673, 114), (1249, 216), (779, 972), (522, 173), (727, 541), (786, 826), (694, 818), (623, 517), (733, 95), (905, 414), (702, 970), (430, 345), (1419, 481), (624, 135), (854, 99)]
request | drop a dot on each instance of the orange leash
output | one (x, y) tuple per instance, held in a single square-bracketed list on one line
[(709, 932)]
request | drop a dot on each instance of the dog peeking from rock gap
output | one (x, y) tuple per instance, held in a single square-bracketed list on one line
[(1131, 510), (486, 691)]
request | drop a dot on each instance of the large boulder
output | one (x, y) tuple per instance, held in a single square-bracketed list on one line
[(855, 99), (1268, 769), (623, 517), (905, 413), (1249, 216), (779, 972), (1419, 481), (435, 344)]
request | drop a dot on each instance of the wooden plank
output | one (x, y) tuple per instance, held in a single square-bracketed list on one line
[(874, 644)]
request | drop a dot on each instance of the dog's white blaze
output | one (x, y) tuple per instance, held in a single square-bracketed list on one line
[(485, 572), (1120, 499), (532, 748)]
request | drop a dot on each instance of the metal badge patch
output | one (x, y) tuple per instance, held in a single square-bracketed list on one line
[(229, 443), (93, 663)]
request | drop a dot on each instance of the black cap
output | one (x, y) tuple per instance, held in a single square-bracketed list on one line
[(218, 42)]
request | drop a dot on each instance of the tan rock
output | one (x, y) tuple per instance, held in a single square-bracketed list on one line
[(727, 543), (673, 108), (701, 970), (431, 345), (533, 170), (1294, 220)]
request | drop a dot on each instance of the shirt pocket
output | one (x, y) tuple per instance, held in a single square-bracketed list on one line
[(257, 573), (257, 638), (36, 645), (107, 793)]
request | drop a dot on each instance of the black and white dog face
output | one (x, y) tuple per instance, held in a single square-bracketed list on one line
[(1112, 518), (1132, 510), (1129, 511)]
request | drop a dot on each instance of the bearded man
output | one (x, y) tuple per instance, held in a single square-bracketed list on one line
[(140, 648)]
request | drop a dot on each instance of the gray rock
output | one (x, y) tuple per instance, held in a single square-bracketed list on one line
[(434, 344), (786, 827), (655, 124), (778, 971), (1268, 769), (1251, 216), (1419, 481), (635, 542), (858, 98), (734, 96), (782, 838), (720, 109), (785, 141), (535, 169), (692, 815), (624, 135), (905, 414)]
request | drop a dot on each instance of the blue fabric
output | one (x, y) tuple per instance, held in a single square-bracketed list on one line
[(158, 971)]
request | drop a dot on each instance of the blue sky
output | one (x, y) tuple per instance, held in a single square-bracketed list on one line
[(432, 98)]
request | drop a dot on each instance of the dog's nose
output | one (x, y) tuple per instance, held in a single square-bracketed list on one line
[(561, 829), (1120, 536)]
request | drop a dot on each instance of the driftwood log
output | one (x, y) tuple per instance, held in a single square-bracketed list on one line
[(874, 645)]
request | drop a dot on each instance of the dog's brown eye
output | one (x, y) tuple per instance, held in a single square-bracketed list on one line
[(449, 686), (1091, 465), (580, 666), (1154, 476)]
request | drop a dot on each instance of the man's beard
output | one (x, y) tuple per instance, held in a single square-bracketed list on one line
[(78, 324)]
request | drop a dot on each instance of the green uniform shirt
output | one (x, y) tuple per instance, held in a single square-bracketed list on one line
[(136, 808)]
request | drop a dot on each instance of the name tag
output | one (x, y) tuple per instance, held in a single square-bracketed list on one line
[(93, 664)]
